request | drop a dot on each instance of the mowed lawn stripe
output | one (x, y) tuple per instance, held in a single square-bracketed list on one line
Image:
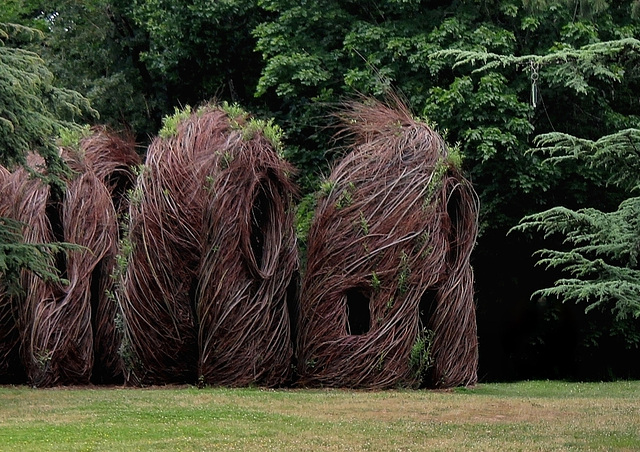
[(537, 415)]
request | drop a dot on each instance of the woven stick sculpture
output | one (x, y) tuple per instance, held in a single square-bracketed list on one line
[(200, 300), (62, 332), (110, 158), (158, 287), (249, 260), (61, 325), (29, 206), (73, 335), (387, 296)]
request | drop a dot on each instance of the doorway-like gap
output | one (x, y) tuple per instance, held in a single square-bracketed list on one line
[(358, 312), (96, 292), (427, 307), (260, 219)]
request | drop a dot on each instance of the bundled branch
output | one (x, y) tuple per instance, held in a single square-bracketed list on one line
[(62, 339), (212, 254), (65, 327), (387, 296), (111, 158), (249, 260), (29, 206), (158, 288)]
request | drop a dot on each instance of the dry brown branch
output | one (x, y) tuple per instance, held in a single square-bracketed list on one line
[(158, 288), (61, 326), (213, 253), (249, 260), (388, 254)]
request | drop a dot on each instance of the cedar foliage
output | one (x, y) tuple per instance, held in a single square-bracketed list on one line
[(567, 66), (33, 111), (602, 248)]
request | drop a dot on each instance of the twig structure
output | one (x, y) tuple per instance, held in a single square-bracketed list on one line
[(186, 270), (29, 197), (204, 295), (387, 295), (248, 268), (66, 329)]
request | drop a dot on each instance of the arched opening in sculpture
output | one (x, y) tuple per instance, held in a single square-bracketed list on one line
[(358, 311)]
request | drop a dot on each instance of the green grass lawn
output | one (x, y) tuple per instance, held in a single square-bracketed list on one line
[(527, 416)]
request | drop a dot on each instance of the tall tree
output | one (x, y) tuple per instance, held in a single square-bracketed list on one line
[(201, 49), (601, 249), (594, 82), (136, 61), (96, 48), (33, 111)]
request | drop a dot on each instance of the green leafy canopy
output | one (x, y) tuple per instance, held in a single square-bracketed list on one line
[(602, 248), (33, 112)]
